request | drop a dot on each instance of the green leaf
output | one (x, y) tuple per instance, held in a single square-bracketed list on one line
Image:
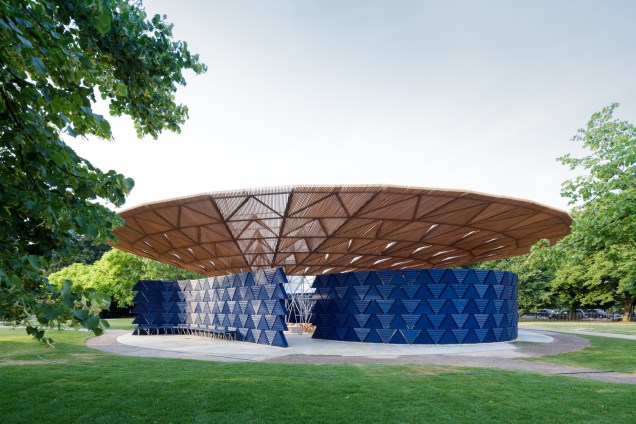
[(39, 65), (103, 20), (92, 322), (26, 43), (81, 314), (34, 261)]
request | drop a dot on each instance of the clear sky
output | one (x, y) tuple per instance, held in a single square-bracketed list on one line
[(475, 95)]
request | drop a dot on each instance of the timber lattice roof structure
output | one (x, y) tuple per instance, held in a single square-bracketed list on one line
[(311, 230)]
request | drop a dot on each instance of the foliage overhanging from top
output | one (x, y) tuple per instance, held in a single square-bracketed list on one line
[(55, 58)]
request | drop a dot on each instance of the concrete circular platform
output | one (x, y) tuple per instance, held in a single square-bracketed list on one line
[(303, 344)]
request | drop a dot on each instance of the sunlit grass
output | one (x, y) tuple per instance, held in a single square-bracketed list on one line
[(628, 328), (72, 383)]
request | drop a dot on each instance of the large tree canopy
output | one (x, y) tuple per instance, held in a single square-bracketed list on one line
[(599, 254), (55, 58)]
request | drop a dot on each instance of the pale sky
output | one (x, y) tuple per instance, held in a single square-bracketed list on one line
[(474, 95)]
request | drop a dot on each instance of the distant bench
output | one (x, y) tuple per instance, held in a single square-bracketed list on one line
[(225, 333)]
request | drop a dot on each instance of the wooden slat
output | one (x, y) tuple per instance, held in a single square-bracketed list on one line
[(316, 229)]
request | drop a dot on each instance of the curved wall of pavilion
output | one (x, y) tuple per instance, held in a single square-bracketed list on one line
[(427, 306)]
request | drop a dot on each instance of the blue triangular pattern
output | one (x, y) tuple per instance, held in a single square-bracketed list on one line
[(385, 305), (373, 294), (410, 320), (410, 335), (351, 336), (385, 276), (385, 291), (362, 319), (373, 322), (423, 338), (373, 308), (262, 338), (342, 332), (398, 338), (373, 337), (436, 335), (481, 319), (385, 334), (341, 292), (385, 319), (410, 305), (410, 275), (398, 308), (436, 274), (411, 290), (481, 304), (361, 305), (362, 333), (372, 279), (460, 335), (436, 289), (397, 279), (398, 322), (448, 338), (460, 305), (436, 320), (460, 319), (361, 276), (361, 291), (436, 305)]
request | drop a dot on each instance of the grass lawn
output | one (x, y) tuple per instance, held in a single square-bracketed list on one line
[(604, 353), (71, 383), (628, 328), (121, 323)]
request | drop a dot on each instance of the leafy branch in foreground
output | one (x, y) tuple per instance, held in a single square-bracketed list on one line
[(55, 56)]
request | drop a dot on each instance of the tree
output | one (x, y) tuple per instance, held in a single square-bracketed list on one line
[(603, 240), (116, 273), (55, 58), (87, 252)]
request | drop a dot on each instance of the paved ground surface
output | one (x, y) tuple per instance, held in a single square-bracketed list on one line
[(508, 356), (582, 332)]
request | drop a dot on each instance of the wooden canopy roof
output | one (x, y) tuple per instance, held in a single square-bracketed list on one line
[(311, 230)]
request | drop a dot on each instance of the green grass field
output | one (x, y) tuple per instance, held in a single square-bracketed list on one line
[(72, 383), (628, 328), (604, 354), (121, 323)]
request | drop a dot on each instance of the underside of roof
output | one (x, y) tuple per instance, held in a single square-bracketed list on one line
[(312, 230)]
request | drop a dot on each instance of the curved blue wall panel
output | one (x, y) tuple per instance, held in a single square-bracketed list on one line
[(251, 303), (428, 306)]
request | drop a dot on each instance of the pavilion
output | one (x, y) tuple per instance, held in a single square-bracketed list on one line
[(385, 257)]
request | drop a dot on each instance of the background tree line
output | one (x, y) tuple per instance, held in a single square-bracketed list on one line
[(594, 266)]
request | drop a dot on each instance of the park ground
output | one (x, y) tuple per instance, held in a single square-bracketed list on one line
[(72, 383)]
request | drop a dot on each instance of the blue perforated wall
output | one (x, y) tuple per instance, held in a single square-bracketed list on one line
[(252, 303), (428, 306)]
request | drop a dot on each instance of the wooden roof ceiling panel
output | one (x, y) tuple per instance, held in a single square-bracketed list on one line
[(190, 217), (227, 205), (328, 207), (315, 229), (500, 223), (299, 201), (354, 201), (394, 207), (158, 242), (178, 239), (153, 224), (170, 214), (429, 203), (359, 228), (214, 232)]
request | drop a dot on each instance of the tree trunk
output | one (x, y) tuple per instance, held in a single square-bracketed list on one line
[(628, 307)]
